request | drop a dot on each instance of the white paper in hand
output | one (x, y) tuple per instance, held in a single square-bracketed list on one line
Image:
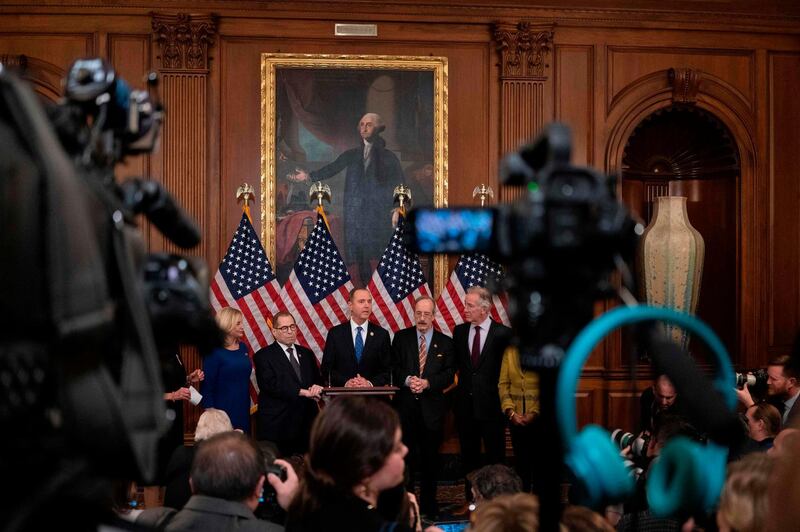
[(196, 396)]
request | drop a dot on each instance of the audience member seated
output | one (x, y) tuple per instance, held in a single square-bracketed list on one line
[(176, 478), (507, 513), (744, 504), (763, 424), (227, 480), (492, 481), (582, 519), (786, 439), (356, 452), (659, 399)]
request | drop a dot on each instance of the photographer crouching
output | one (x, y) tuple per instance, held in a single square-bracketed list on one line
[(640, 456)]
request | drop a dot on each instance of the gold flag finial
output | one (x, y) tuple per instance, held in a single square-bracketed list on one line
[(319, 191), (483, 191), (402, 194)]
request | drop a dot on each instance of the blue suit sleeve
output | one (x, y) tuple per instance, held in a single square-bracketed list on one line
[(211, 365)]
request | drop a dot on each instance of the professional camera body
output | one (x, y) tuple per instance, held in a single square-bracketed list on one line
[(756, 379), (638, 444), (82, 397)]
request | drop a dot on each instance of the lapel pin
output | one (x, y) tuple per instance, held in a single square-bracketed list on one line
[(436, 346), (372, 334)]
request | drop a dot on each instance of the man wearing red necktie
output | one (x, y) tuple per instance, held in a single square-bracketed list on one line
[(479, 345)]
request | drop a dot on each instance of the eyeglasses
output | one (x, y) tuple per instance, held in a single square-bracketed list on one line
[(286, 328)]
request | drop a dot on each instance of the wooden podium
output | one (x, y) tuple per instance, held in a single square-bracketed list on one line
[(336, 391)]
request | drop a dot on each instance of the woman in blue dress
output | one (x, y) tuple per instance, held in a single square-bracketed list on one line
[(227, 372)]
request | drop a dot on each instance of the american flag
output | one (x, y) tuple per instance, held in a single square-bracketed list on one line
[(318, 288), (245, 281), (397, 283), (472, 270)]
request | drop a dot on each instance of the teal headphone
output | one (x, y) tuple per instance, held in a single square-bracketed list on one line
[(687, 474)]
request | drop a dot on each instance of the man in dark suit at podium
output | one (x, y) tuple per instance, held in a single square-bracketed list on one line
[(289, 385), (423, 368), (357, 352), (479, 345)]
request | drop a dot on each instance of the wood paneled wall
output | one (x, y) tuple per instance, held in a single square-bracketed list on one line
[(513, 67)]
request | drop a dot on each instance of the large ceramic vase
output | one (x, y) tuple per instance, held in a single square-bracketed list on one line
[(671, 257)]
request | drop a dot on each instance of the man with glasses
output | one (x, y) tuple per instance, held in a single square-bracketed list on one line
[(424, 367), (289, 386)]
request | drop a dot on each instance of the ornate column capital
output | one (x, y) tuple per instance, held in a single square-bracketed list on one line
[(183, 40), (685, 84), (524, 49)]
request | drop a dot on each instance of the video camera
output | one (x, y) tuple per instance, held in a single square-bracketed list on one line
[(86, 312)]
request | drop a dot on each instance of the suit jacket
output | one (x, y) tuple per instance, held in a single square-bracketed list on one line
[(477, 393), (439, 370), (282, 413), (339, 357), (211, 513)]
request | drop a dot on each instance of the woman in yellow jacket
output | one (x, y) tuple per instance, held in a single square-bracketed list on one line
[(519, 399)]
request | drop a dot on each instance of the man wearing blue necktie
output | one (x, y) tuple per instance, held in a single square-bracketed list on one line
[(357, 352)]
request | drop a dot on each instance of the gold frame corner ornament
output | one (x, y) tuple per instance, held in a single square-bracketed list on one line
[(270, 62)]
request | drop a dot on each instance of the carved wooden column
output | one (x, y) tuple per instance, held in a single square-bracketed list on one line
[(526, 92), (183, 42)]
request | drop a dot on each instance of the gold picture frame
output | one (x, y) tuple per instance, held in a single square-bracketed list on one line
[(301, 127)]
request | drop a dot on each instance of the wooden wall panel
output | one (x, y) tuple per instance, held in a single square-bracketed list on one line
[(130, 56), (784, 197), (574, 89), (57, 49), (622, 411), (628, 64), (587, 403)]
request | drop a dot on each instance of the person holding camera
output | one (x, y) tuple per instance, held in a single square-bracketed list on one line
[(783, 388), (227, 371), (227, 480)]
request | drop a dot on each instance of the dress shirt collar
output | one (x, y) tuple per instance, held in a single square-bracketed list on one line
[(428, 337), (286, 347), (363, 326), (484, 325)]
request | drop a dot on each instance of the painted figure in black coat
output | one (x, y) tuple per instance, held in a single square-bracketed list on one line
[(424, 366), (479, 355), (371, 173), (289, 386), (357, 352)]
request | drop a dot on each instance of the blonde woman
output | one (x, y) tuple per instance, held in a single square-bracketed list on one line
[(227, 370)]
